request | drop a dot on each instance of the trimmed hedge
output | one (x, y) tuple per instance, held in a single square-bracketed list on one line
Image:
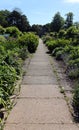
[(30, 40)]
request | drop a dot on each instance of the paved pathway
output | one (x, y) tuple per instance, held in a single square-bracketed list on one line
[(40, 105)]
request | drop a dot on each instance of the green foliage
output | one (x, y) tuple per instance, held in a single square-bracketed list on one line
[(57, 22), (11, 61), (72, 32), (16, 18), (74, 54), (2, 30), (73, 68), (37, 29), (46, 38), (13, 31), (63, 42), (74, 63), (51, 45), (75, 41), (4, 18), (69, 20), (57, 43), (59, 55), (8, 77), (2, 38), (22, 41), (12, 53), (56, 50), (10, 67), (30, 40), (74, 73), (68, 49), (62, 33), (45, 29), (4, 99), (23, 53), (14, 59), (11, 44), (76, 102)]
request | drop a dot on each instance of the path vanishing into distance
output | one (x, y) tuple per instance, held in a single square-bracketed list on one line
[(40, 105)]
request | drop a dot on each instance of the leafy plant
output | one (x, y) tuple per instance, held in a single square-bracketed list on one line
[(62, 33), (2, 38), (13, 31), (56, 50), (2, 30), (59, 55), (73, 73), (74, 54), (32, 42), (29, 40), (47, 38), (52, 44), (72, 32), (75, 103), (57, 43)]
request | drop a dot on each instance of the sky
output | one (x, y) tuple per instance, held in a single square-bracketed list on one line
[(42, 11)]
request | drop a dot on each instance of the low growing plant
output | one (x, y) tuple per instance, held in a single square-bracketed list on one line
[(75, 102)]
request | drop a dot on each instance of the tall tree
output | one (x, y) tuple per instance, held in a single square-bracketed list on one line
[(25, 26), (17, 19), (14, 18), (4, 17), (69, 20), (37, 29), (46, 28), (76, 24), (57, 23)]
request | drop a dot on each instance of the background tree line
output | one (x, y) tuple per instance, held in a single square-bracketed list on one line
[(57, 24), (14, 18), (18, 19)]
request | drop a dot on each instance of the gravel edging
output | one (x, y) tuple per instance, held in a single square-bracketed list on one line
[(67, 92)]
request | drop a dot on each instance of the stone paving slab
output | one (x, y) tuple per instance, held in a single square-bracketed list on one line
[(41, 72), (40, 91), (40, 111), (41, 127), (41, 64), (39, 68), (39, 80), (39, 60)]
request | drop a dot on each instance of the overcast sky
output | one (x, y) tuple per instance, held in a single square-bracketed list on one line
[(42, 11)]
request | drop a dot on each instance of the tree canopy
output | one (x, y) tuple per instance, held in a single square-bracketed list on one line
[(14, 18), (17, 19), (57, 22), (69, 20), (4, 17)]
